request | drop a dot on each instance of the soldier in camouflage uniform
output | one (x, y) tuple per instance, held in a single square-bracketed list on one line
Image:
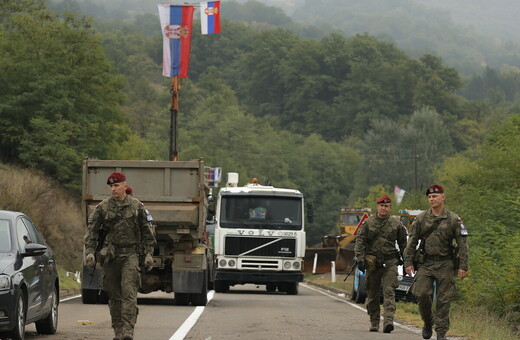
[(127, 226), (437, 228), (376, 253)]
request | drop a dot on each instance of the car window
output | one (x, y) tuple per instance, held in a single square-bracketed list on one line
[(23, 236), (33, 232), (5, 236)]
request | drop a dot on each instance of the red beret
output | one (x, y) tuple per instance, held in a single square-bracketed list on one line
[(435, 189), (116, 177), (128, 190), (384, 199)]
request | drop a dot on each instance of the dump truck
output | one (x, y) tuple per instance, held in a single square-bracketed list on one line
[(176, 195), (337, 247), (259, 236)]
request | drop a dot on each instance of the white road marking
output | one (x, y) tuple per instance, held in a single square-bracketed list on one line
[(410, 329), (191, 320)]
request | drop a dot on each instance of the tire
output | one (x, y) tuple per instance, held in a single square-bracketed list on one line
[(361, 295), (353, 295), (103, 297), (182, 299), (18, 333), (270, 287), (49, 325), (200, 299), (292, 288), (221, 286), (89, 296)]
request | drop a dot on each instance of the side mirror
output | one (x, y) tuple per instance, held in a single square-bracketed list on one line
[(34, 249), (310, 212)]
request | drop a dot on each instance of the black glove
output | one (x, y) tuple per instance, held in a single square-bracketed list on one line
[(361, 266)]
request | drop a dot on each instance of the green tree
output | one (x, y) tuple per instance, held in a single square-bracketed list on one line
[(54, 74)]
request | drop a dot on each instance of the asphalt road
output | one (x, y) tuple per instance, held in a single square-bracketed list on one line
[(246, 312)]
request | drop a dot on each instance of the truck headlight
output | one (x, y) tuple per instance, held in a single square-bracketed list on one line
[(231, 263), (222, 263), (287, 265), (5, 282), (296, 265)]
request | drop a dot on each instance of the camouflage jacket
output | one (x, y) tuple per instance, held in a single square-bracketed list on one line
[(440, 242), (127, 223), (378, 236)]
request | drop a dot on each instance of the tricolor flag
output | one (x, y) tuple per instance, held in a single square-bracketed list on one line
[(210, 17), (399, 194), (176, 25)]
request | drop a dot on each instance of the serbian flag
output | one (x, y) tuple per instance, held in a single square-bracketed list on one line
[(176, 25), (210, 17)]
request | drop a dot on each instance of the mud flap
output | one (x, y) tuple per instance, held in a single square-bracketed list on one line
[(188, 281)]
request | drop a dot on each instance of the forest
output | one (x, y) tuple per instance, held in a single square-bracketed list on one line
[(342, 117)]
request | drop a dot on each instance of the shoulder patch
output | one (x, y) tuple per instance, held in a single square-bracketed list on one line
[(463, 230)]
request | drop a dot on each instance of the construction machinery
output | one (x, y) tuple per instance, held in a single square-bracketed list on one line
[(337, 247), (407, 216)]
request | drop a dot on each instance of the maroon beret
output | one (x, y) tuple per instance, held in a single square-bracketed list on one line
[(128, 190), (384, 199), (435, 189), (116, 177)]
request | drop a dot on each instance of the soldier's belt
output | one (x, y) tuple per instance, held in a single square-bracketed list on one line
[(438, 257), (126, 250)]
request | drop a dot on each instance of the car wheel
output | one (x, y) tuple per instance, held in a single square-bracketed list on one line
[(50, 323), (353, 295), (18, 332), (89, 296), (361, 293)]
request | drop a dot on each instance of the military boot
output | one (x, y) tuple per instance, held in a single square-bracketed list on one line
[(388, 327), (441, 336), (427, 331), (128, 337), (118, 335), (374, 327)]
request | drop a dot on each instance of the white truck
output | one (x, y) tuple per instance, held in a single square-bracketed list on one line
[(259, 236), (176, 195)]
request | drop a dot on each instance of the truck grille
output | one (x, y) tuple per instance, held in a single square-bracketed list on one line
[(263, 246)]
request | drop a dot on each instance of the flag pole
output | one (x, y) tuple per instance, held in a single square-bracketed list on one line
[(176, 87)]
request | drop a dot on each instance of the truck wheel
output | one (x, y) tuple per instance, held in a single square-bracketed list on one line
[(200, 299), (89, 296), (182, 299), (221, 286), (292, 288), (270, 287)]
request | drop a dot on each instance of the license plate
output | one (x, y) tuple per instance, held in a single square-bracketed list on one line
[(403, 287)]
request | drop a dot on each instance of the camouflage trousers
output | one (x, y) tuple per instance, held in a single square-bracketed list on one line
[(442, 273), (388, 276), (121, 280)]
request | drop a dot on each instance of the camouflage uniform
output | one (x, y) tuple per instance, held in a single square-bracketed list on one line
[(437, 264), (129, 235), (376, 239)]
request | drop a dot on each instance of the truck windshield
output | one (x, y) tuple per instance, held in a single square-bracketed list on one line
[(261, 212)]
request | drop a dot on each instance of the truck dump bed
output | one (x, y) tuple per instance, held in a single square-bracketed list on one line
[(173, 192)]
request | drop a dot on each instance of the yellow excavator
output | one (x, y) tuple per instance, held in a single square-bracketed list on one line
[(337, 247)]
